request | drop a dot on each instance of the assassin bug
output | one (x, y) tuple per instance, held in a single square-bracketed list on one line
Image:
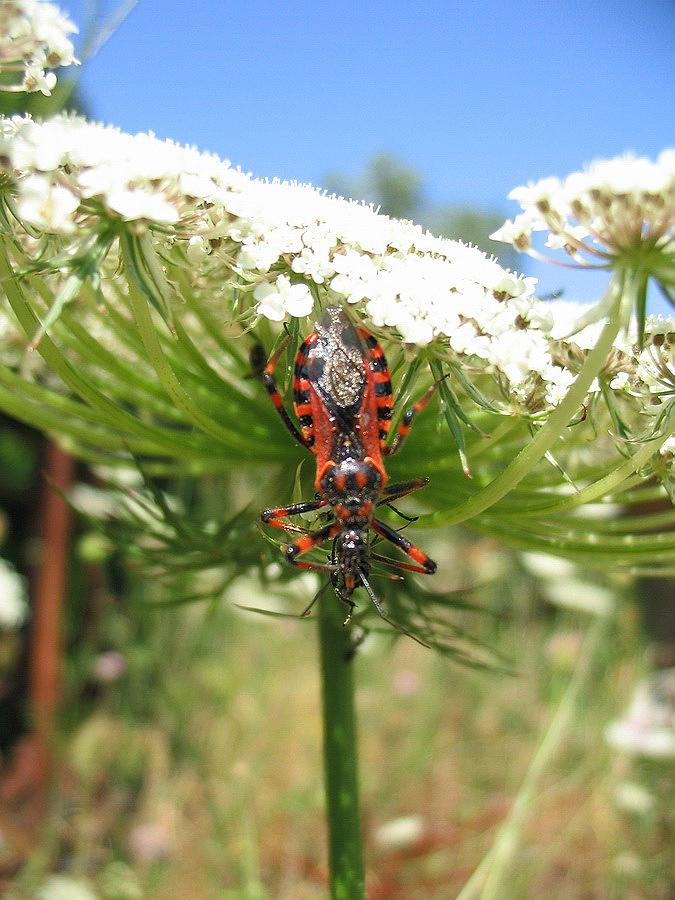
[(343, 401)]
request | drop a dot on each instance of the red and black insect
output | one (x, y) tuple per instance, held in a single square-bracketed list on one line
[(343, 400)]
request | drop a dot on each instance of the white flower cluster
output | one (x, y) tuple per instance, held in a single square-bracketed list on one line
[(69, 171), (648, 727), (282, 244), (289, 238), (646, 374), (600, 213), (34, 37), (281, 239)]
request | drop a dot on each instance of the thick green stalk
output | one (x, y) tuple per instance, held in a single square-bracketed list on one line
[(345, 847)]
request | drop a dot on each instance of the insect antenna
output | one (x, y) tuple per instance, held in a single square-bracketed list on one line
[(378, 606), (316, 596)]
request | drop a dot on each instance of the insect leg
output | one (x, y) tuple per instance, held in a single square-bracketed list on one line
[(309, 541), (427, 566), (394, 491), (398, 564), (371, 593), (401, 488), (406, 421), (306, 611), (268, 379), (276, 514)]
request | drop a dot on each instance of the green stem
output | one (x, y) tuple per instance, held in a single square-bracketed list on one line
[(345, 847)]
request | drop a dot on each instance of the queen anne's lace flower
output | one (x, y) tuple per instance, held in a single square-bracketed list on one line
[(276, 301), (653, 375), (34, 37), (603, 213), (282, 245)]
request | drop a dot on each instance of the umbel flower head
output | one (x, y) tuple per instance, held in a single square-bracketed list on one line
[(613, 208), (618, 214), (272, 250), (279, 240), (34, 36), (76, 191), (280, 245)]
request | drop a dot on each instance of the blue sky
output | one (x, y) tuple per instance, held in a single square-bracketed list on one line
[(477, 96)]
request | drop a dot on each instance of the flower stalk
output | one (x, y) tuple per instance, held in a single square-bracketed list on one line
[(345, 845)]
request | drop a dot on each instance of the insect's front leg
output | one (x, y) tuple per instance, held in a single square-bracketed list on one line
[(400, 489), (276, 514), (308, 542)]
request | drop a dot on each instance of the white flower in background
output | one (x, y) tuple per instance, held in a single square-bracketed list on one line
[(605, 212), (399, 833), (558, 382), (34, 37), (46, 205), (313, 264), (134, 203), (620, 381), (65, 887), (632, 797), (651, 377), (517, 353), (575, 593), (648, 727), (656, 361), (36, 79), (109, 666), (13, 606), (98, 503)]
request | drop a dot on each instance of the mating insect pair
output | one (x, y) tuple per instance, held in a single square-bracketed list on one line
[(343, 401)]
